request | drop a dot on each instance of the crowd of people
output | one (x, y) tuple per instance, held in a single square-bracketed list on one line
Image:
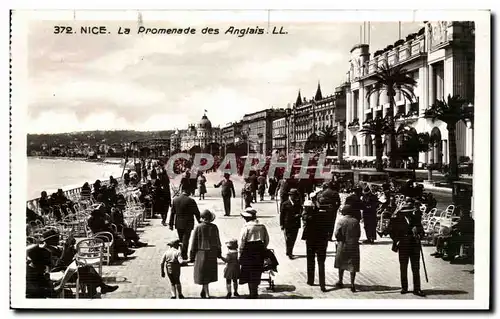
[(53, 252), (301, 205)]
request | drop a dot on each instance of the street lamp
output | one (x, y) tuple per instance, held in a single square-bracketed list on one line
[(340, 140), (260, 135), (248, 141), (287, 129)]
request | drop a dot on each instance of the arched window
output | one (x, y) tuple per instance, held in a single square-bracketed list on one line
[(355, 146), (369, 145)]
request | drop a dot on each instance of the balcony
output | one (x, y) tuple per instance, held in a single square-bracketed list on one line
[(401, 51), (354, 125), (369, 117)]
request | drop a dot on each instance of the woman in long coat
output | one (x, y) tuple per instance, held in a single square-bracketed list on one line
[(347, 235), (205, 249), (159, 200)]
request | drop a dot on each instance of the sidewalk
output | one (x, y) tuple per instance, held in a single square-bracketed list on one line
[(139, 276)]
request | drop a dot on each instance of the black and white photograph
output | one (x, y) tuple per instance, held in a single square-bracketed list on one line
[(338, 158)]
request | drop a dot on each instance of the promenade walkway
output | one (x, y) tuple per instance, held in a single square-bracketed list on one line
[(139, 276)]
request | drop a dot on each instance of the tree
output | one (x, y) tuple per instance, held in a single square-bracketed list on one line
[(392, 80), (328, 137), (313, 143), (378, 126), (413, 144), (451, 111)]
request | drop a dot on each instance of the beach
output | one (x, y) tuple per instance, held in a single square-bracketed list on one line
[(51, 174)]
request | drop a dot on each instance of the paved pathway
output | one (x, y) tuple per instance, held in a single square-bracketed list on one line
[(139, 276)]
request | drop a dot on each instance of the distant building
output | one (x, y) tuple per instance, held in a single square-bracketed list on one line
[(202, 135), (280, 135), (308, 117), (257, 129)]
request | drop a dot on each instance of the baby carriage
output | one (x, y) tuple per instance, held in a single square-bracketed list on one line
[(270, 268)]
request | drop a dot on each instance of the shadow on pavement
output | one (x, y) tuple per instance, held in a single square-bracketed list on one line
[(377, 243), (376, 288), (120, 261), (269, 296), (436, 292), (283, 288), (114, 279)]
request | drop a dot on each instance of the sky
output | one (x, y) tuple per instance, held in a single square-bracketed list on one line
[(161, 82)]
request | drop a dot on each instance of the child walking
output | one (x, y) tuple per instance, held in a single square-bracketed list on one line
[(173, 260), (232, 270)]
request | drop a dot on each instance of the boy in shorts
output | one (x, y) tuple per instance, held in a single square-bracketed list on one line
[(173, 261)]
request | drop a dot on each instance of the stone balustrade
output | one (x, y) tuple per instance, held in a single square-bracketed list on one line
[(399, 54)]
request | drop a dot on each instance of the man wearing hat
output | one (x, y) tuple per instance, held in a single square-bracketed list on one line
[(316, 233), (247, 192), (405, 230), (227, 188), (290, 215), (262, 185), (370, 206), (329, 203), (184, 212)]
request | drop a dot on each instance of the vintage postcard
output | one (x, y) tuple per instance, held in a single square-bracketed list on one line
[(250, 158)]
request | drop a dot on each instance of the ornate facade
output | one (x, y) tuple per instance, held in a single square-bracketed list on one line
[(308, 117), (440, 57), (200, 135)]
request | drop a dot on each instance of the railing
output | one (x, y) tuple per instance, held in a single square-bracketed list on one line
[(71, 194), (399, 54)]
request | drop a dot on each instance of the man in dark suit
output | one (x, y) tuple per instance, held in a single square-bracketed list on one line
[(316, 234), (182, 216), (253, 181), (329, 203), (405, 230), (290, 216), (226, 191)]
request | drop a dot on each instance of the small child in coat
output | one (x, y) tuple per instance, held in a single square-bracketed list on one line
[(173, 261), (232, 269)]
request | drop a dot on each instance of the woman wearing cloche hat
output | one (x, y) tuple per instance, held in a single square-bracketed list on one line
[(205, 249)]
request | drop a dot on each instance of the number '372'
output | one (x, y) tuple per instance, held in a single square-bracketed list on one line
[(62, 29)]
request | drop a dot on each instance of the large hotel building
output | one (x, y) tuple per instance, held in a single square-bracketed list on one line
[(440, 57)]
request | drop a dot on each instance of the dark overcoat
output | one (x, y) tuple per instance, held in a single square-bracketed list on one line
[(183, 213)]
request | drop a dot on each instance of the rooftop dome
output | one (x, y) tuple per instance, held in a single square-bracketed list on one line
[(205, 123)]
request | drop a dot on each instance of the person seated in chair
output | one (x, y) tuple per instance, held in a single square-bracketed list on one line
[(462, 233), (62, 259), (38, 283), (121, 227), (97, 223)]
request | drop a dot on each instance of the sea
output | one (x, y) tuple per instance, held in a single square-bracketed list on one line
[(51, 174)]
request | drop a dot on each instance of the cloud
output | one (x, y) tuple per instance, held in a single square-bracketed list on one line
[(163, 82), (210, 47), (285, 67)]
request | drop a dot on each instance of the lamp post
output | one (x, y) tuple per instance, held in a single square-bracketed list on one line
[(287, 129), (248, 141), (340, 141), (260, 135)]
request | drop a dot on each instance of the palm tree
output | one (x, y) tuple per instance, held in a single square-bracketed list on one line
[(392, 80), (378, 127), (451, 111), (328, 137), (413, 144)]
